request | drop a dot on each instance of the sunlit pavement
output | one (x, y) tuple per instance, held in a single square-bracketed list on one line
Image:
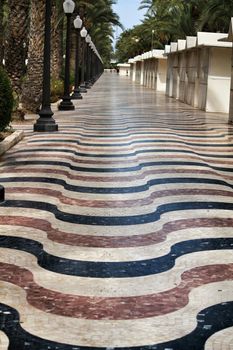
[(116, 232)]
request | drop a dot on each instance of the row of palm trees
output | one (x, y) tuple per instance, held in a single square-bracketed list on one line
[(171, 20), (22, 41)]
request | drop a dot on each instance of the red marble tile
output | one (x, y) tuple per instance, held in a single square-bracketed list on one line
[(110, 241), (119, 308), (123, 203)]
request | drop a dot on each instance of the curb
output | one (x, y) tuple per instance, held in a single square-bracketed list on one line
[(10, 141)]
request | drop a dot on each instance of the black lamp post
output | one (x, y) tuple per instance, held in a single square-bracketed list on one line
[(66, 103), (2, 194), (78, 25), (88, 62), (46, 121), (96, 66), (92, 63), (83, 34)]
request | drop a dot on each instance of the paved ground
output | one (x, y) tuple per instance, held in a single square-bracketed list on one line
[(117, 230)]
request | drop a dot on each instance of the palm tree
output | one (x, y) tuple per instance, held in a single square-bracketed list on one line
[(57, 24), (1, 30), (154, 7), (173, 19), (216, 15), (99, 20), (32, 87), (134, 41), (179, 22), (16, 42)]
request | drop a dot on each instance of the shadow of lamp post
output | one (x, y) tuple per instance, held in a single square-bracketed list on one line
[(78, 25), (66, 103), (45, 121)]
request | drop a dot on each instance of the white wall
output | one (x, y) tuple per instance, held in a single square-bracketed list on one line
[(142, 73), (124, 71), (169, 80), (191, 69), (138, 72), (134, 72), (161, 75), (219, 81), (203, 69), (182, 75)]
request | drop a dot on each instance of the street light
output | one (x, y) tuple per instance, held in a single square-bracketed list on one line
[(136, 40), (83, 34), (152, 39), (46, 121), (66, 103), (88, 62), (78, 25)]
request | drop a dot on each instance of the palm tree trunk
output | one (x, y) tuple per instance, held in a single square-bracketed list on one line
[(32, 88), (16, 42), (1, 31), (57, 21)]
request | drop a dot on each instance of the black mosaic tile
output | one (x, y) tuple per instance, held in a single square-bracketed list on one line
[(209, 321), (117, 220), (98, 269)]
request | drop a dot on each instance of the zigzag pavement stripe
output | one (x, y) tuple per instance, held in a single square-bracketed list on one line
[(104, 254), (116, 190), (109, 287), (118, 170), (101, 269), (113, 308), (136, 135), (126, 241), (122, 144), (218, 316), (118, 220), (133, 154), (141, 176)]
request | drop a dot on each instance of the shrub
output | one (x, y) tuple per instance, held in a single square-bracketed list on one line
[(57, 90), (6, 100), (72, 77)]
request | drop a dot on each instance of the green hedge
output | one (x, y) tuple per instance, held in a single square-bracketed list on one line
[(6, 100), (57, 90)]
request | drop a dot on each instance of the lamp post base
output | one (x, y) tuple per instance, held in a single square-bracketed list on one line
[(88, 85), (83, 89), (2, 194), (66, 105), (45, 122), (76, 95), (45, 126)]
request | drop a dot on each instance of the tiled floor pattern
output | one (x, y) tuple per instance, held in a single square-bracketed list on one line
[(117, 231)]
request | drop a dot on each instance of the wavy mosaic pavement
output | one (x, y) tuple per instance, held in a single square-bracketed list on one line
[(117, 231)]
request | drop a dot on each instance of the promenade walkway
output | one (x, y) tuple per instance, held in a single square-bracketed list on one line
[(117, 231)]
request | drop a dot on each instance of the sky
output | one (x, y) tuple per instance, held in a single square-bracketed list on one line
[(129, 14)]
